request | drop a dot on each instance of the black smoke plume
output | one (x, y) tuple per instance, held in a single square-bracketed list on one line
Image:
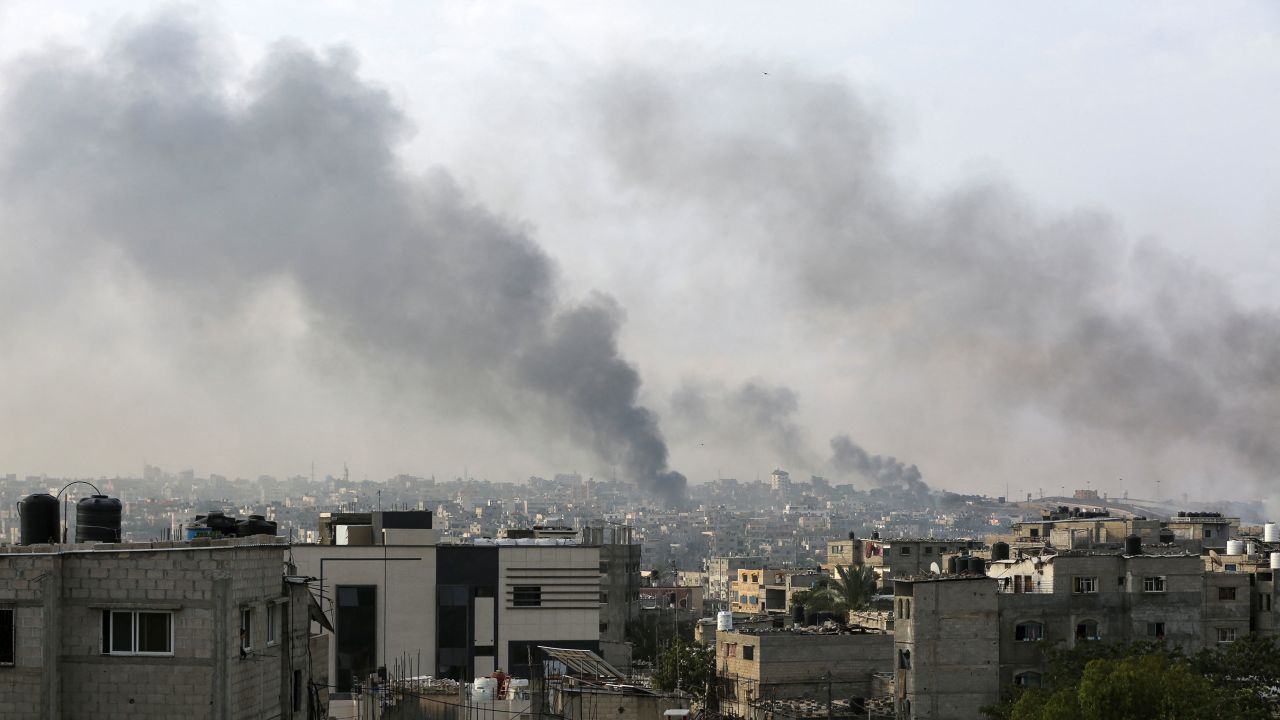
[(151, 156), (883, 472)]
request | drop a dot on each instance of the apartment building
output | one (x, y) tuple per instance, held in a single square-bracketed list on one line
[(216, 629), (459, 609), (722, 571), (903, 557), (962, 639)]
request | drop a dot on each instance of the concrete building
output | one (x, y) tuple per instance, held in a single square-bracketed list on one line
[(907, 557), (201, 629), (963, 639), (461, 610), (946, 647), (722, 570), (620, 599), (763, 665)]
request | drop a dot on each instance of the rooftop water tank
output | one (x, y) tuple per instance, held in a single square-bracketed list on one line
[(1271, 532), (98, 519), (220, 523), (977, 566), (1275, 561), (724, 621), (38, 519), (953, 565), (255, 525), (1235, 547), (1000, 551), (484, 689)]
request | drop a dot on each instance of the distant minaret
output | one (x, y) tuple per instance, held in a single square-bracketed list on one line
[(346, 475)]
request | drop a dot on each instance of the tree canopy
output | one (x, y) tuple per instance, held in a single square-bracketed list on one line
[(1148, 681)]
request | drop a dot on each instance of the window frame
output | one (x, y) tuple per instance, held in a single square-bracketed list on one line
[(1157, 629), (1155, 583), (1227, 593), (749, 652), (1222, 631), (12, 640), (1085, 623), (109, 633), (1021, 629), (273, 624), (1084, 585), (246, 628)]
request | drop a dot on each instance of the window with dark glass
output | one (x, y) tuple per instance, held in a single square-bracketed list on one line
[(137, 632), (357, 633), (7, 636), (527, 596), (1028, 632), (748, 652), (1226, 593)]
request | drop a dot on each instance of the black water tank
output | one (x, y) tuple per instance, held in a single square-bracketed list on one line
[(98, 519), (38, 523), (1133, 545), (219, 522), (255, 525), (1000, 551), (977, 566), (953, 563), (1167, 536), (853, 535)]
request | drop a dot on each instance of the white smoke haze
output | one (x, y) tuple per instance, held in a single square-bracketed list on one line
[(206, 271)]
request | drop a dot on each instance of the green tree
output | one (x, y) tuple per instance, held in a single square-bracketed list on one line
[(1097, 681), (686, 666), (850, 589)]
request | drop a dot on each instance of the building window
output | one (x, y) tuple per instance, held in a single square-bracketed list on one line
[(731, 649), (1226, 635), (604, 567), (1155, 630), (748, 652), (1087, 630), (1028, 632), (928, 549), (755, 578), (297, 690), (905, 550), (906, 607), (904, 659), (1226, 593), (604, 627), (1264, 601), (604, 598), (273, 622), (7, 637), (1085, 585), (526, 596), (1153, 584), (1208, 533), (1120, 582), (137, 632), (1028, 679), (246, 629)]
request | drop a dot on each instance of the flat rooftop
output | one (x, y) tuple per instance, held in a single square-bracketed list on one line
[(196, 544)]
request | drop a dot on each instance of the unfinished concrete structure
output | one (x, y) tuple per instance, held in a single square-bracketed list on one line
[(946, 646), (762, 665), (201, 629)]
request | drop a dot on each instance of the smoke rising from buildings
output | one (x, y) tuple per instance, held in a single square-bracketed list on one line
[(884, 473), (152, 164), (968, 304)]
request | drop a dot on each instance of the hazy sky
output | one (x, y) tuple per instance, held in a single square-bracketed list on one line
[(1016, 245)]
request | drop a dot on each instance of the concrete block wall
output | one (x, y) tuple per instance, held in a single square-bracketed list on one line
[(60, 594)]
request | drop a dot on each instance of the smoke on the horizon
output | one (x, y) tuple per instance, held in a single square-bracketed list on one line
[(147, 163), (977, 315), (883, 472)]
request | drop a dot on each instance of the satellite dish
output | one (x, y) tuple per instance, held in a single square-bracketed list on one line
[(933, 568)]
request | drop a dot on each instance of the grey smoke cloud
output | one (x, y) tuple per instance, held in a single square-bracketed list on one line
[(884, 472), (754, 410), (151, 158), (1010, 310)]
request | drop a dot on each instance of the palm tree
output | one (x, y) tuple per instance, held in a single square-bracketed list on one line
[(850, 590)]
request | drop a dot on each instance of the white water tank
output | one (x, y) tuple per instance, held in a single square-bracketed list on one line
[(1250, 548), (1275, 561), (1235, 547), (724, 621), (1271, 532), (484, 689)]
